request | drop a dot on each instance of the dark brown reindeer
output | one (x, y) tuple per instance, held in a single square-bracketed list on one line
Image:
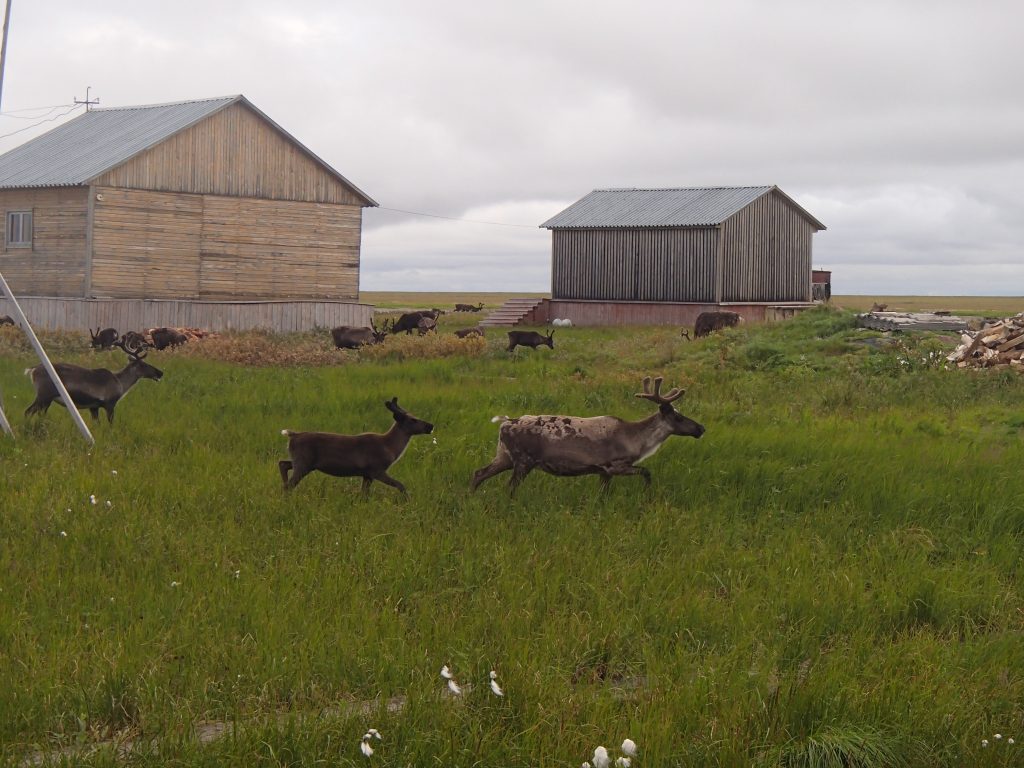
[(103, 339), (134, 341), (410, 321), (167, 337), (368, 455), (465, 333), (600, 445), (469, 307), (530, 339), (7, 320), (709, 322), (91, 388), (354, 337)]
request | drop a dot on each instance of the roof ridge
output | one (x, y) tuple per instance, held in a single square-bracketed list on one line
[(680, 189), (169, 103)]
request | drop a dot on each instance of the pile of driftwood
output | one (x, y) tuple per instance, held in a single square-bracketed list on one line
[(997, 343)]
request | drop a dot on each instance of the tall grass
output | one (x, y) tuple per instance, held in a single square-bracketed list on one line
[(830, 576)]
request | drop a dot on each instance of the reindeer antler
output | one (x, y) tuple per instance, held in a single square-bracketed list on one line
[(135, 353), (656, 396)]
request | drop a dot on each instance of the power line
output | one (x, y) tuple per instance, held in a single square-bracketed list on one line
[(455, 218), (47, 120), (45, 111)]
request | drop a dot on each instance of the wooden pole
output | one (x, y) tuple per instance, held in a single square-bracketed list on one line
[(4, 424), (19, 316)]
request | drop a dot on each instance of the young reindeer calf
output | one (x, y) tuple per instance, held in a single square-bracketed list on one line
[(368, 455)]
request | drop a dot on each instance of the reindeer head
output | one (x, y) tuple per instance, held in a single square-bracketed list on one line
[(380, 334), (550, 339), (135, 361), (680, 425), (406, 421)]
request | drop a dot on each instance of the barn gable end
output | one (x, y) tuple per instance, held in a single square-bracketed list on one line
[(236, 152)]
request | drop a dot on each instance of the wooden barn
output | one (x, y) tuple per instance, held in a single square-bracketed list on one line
[(200, 213), (653, 256)]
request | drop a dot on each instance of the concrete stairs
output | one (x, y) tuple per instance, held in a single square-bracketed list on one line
[(511, 312)]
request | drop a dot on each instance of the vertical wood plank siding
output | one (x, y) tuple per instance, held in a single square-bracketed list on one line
[(137, 314), (55, 264), (175, 245), (671, 264), (766, 251), (235, 153)]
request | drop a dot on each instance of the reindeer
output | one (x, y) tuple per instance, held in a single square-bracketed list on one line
[(91, 388), (410, 321), (368, 455), (601, 445), (353, 337), (7, 320), (103, 339), (708, 322), (876, 307), (135, 341), (469, 307), (530, 339), (426, 325), (167, 337), (465, 333)]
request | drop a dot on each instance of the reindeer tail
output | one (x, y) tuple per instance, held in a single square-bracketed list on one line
[(499, 419), (287, 432)]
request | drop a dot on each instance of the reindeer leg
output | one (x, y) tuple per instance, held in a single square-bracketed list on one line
[(501, 463), (605, 481), (38, 406), (519, 473), (384, 477), (110, 413), (95, 413), (366, 485), (628, 469), (284, 466)]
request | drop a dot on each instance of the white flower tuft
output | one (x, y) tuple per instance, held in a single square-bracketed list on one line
[(601, 758), (454, 688), (496, 688), (1010, 740), (998, 736), (622, 762), (984, 742), (64, 534), (446, 673), (175, 584), (366, 748), (493, 675), (629, 747), (375, 733)]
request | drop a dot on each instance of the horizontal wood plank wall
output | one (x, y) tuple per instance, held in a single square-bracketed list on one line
[(146, 244), (165, 245), (584, 313), (671, 264), (279, 249), (234, 152), (767, 253), (137, 314), (55, 264)]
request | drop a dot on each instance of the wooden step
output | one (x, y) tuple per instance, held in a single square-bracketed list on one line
[(511, 312)]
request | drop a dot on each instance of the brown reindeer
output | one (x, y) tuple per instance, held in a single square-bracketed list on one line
[(530, 339), (167, 337), (103, 339), (7, 320), (91, 388), (600, 445), (465, 333), (469, 307), (368, 455), (353, 337), (709, 322), (426, 325)]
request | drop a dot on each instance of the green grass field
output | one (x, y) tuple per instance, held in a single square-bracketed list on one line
[(831, 576)]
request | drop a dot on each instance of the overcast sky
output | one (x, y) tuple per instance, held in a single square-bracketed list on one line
[(898, 124)]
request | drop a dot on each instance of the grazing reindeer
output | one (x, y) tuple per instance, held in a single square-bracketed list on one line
[(426, 325), (167, 337), (469, 307), (708, 322), (7, 320), (367, 455), (876, 307), (353, 337), (465, 333), (103, 339), (601, 445), (530, 339), (91, 388), (410, 321)]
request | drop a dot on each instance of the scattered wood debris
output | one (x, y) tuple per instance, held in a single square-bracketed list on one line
[(911, 321), (996, 344)]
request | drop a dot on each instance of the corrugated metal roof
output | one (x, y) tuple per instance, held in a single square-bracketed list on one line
[(102, 139), (95, 142), (682, 207)]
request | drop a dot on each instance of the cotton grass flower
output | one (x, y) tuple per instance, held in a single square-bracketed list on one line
[(175, 584), (622, 762), (629, 748), (1010, 740), (984, 743), (454, 688), (998, 736), (375, 733), (446, 673), (64, 534), (494, 684), (601, 758), (92, 498), (365, 747)]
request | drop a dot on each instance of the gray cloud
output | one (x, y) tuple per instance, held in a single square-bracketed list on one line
[(898, 124)]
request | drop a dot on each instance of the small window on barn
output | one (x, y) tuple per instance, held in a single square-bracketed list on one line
[(19, 229)]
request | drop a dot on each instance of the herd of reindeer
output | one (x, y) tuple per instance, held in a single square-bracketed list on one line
[(568, 446)]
